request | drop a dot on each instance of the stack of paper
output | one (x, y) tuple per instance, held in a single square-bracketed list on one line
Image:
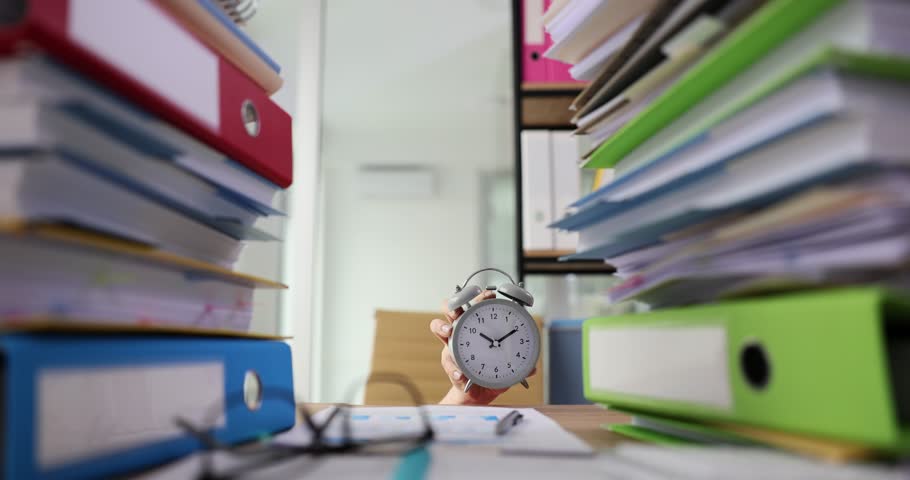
[(120, 169), (74, 155), (139, 149), (760, 152), (59, 278), (587, 33), (632, 51), (752, 187)]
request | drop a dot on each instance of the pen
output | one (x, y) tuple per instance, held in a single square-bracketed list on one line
[(507, 422)]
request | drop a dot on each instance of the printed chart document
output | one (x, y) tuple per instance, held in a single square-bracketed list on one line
[(536, 434)]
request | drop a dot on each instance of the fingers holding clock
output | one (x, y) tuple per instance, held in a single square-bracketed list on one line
[(477, 395), (451, 369), (442, 329)]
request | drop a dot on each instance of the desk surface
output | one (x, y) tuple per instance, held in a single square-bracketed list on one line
[(585, 421), (582, 420)]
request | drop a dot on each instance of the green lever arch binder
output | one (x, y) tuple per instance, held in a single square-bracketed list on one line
[(832, 363)]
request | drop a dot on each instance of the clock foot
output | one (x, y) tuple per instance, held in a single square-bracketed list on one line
[(524, 383), (468, 385)]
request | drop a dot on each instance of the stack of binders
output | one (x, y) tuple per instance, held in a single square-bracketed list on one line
[(138, 148), (760, 209)]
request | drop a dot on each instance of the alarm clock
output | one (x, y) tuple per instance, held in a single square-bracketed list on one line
[(495, 343)]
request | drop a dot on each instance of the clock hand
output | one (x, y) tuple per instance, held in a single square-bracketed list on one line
[(488, 338), (507, 335)]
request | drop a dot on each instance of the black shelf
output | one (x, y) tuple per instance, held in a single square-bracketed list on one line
[(534, 265), (556, 92), (559, 126), (553, 266)]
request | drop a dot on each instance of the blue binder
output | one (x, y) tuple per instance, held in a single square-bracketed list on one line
[(225, 20), (84, 373), (566, 386)]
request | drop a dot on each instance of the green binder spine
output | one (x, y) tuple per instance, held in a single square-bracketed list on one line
[(833, 363), (763, 31)]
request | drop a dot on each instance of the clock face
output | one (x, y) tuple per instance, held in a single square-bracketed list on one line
[(496, 343)]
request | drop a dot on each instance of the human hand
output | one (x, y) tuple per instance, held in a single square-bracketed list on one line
[(456, 395)]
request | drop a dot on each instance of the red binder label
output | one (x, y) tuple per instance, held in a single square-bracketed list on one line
[(137, 50), (179, 68)]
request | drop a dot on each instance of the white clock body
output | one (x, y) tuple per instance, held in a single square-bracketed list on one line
[(495, 343)]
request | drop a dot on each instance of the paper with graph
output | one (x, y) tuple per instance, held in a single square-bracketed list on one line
[(535, 434)]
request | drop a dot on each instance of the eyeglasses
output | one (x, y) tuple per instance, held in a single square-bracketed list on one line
[(327, 433)]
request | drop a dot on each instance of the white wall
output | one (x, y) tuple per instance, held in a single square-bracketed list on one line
[(290, 31), (405, 82)]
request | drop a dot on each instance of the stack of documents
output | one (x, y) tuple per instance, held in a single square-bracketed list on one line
[(139, 150), (633, 51), (759, 208), (794, 177)]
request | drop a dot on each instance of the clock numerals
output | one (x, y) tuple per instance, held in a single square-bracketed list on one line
[(491, 339)]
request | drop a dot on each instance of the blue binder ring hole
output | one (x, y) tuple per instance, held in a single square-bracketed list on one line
[(755, 365), (252, 390)]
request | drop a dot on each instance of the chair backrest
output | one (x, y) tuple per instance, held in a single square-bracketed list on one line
[(404, 344)]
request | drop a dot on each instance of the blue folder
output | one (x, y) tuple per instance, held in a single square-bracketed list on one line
[(30, 360), (133, 133), (594, 209), (653, 234), (565, 378), (225, 20)]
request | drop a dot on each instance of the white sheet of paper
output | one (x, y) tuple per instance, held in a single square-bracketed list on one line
[(535, 434)]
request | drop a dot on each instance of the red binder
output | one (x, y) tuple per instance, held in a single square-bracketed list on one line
[(137, 50)]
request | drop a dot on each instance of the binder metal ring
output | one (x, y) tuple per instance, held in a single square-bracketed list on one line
[(250, 116), (252, 390)]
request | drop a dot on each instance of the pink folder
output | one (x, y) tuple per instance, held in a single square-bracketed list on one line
[(534, 42), (557, 72), (534, 67)]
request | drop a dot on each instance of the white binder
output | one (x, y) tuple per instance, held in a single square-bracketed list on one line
[(566, 182), (536, 190)]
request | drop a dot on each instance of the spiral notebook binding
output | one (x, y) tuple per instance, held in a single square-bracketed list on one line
[(240, 11)]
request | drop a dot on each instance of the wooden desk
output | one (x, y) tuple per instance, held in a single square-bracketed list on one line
[(585, 421), (582, 420)]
